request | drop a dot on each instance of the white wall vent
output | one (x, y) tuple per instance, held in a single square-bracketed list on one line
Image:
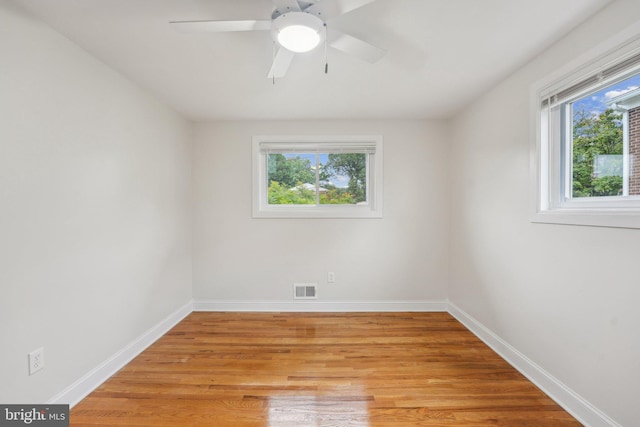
[(305, 291)]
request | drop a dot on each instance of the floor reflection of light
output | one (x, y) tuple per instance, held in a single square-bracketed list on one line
[(322, 409)]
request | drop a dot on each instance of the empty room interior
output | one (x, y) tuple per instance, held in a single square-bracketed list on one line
[(428, 216)]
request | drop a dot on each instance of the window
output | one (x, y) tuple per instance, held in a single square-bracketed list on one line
[(587, 166), (317, 177)]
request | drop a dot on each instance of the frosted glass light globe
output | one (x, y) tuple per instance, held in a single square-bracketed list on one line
[(298, 38)]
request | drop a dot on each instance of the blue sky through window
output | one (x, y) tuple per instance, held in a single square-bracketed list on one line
[(595, 103)]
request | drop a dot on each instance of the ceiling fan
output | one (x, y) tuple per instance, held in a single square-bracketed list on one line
[(297, 26)]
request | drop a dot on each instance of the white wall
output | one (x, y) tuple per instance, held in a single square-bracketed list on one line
[(94, 210), (401, 257), (565, 296)]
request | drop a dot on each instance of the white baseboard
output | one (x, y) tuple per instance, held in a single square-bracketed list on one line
[(573, 403), (89, 382), (319, 306)]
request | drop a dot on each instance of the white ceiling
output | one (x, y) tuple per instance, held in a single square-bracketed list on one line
[(441, 54)]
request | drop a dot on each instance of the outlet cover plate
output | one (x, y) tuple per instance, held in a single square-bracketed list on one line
[(36, 360)]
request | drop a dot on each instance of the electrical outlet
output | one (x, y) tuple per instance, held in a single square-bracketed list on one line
[(36, 360), (331, 277)]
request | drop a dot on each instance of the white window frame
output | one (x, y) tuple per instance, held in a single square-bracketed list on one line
[(373, 207), (549, 185)]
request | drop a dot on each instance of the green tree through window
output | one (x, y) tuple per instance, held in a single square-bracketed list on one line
[(341, 178), (597, 154), (290, 172), (354, 166)]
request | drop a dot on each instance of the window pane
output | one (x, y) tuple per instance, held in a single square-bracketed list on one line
[(601, 163), (291, 178), (330, 176), (343, 178)]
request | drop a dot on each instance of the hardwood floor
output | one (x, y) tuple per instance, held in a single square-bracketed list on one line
[(319, 369)]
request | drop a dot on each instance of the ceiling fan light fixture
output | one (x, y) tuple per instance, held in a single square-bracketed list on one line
[(298, 38), (298, 32)]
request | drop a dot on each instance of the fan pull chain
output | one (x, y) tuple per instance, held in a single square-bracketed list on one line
[(326, 62)]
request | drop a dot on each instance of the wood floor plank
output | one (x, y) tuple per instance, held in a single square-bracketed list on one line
[(319, 369)]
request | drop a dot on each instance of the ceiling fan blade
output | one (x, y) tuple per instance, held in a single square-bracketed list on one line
[(284, 6), (280, 63), (354, 46), (220, 26), (327, 9)]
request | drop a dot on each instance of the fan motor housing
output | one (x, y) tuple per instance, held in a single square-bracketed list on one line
[(281, 11)]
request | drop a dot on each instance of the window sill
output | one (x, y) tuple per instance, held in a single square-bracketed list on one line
[(595, 218), (287, 211)]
